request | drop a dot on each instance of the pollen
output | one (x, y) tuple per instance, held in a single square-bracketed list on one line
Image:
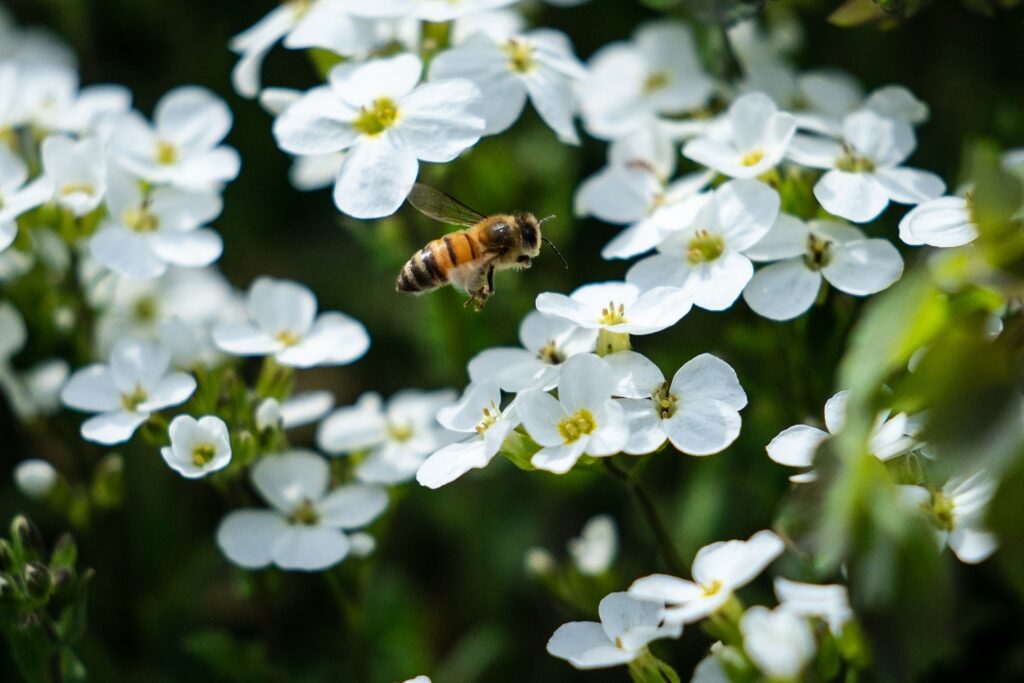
[(166, 153), (202, 454), (819, 252), (140, 220), (752, 158), (304, 514), (146, 309), (711, 588), (400, 432), (287, 337), (74, 188), (520, 56), (377, 118), (942, 507), (491, 414), (132, 400), (576, 425), (613, 315), (550, 354), (664, 402), (852, 162), (704, 247), (655, 81)]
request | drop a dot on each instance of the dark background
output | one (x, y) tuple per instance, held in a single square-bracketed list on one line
[(447, 593)]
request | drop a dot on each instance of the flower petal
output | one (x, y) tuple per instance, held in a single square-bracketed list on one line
[(247, 537), (796, 445), (782, 290), (375, 178), (352, 506), (309, 548)]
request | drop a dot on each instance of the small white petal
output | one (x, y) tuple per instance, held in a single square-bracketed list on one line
[(309, 548), (782, 290), (864, 267), (795, 446), (247, 537), (858, 197)]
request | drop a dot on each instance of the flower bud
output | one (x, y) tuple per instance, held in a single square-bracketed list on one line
[(62, 577), (27, 538), (7, 590), (35, 478), (38, 580), (268, 415), (363, 544), (539, 562)]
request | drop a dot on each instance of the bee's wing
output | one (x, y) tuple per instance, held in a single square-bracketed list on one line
[(442, 207)]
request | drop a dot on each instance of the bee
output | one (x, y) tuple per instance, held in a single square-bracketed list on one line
[(468, 258)]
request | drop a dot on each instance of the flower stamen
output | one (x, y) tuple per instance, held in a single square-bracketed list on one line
[(377, 118), (579, 424), (704, 247)]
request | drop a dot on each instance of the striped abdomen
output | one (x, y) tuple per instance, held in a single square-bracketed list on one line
[(429, 267)]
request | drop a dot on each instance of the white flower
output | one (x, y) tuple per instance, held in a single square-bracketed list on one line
[(198, 447), (17, 197), (940, 222), (125, 392), (892, 436), (498, 24), (710, 669), (305, 530), (35, 478), (703, 255), (427, 10), (804, 254), (617, 307), (182, 147), (145, 232), (778, 641), (627, 626), (36, 391), (539, 64), (594, 549), (302, 24), (718, 570), (698, 411), (748, 140), (396, 439), (376, 111), (959, 510), (632, 193), (831, 603), (864, 171), (477, 414), (584, 419), (630, 84), (305, 408), (76, 172), (284, 323), (827, 96), (47, 99), (547, 344)]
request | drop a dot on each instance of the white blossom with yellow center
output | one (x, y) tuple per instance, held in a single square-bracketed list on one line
[(387, 123), (582, 420), (539, 65), (718, 570), (16, 194), (198, 447), (617, 307), (749, 139)]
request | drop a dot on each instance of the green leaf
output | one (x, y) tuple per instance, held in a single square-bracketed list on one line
[(518, 449), (65, 553), (857, 13), (31, 649)]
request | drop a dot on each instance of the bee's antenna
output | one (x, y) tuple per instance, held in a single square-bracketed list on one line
[(555, 249)]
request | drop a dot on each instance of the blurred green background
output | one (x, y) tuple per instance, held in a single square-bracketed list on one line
[(446, 593)]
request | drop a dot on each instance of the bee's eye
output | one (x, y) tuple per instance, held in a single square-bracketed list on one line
[(523, 259)]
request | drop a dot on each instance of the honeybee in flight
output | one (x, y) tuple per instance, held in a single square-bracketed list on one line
[(469, 257)]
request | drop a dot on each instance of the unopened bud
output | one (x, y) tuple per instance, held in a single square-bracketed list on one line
[(38, 580), (7, 590), (35, 478), (268, 415), (65, 552), (62, 577), (27, 538)]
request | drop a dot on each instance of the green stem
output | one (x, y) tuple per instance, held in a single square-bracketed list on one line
[(645, 502)]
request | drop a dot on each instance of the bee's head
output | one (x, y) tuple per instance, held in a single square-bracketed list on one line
[(529, 228)]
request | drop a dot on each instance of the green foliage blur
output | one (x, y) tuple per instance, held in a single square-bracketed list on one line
[(447, 593)]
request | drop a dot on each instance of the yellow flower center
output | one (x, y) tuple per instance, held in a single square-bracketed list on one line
[(376, 118), (712, 588), (550, 354), (942, 507), (305, 514), (613, 315), (852, 162), (202, 454), (520, 56), (655, 81), (573, 427), (145, 309), (752, 158), (491, 414), (140, 220), (819, 252), (287, 337), (704, 247), (132, 400), (664, 402), (166, 153), (73, 188), (400, 432)]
